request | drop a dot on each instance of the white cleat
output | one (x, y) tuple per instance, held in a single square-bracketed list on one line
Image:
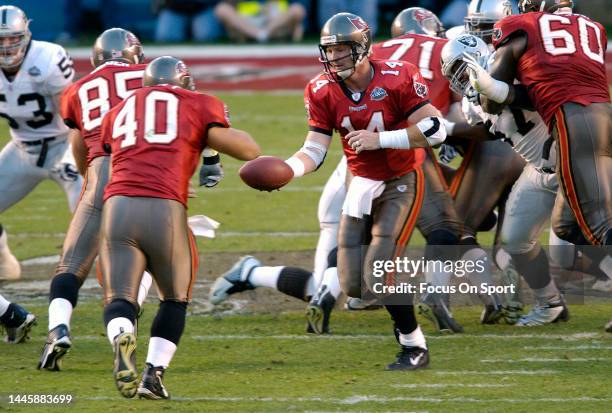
[(233, 281), (602, 285), (9, 266), (547, 314)]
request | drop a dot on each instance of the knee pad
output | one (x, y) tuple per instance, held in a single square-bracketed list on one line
[(65, 286), (169, 322), (120, 308), (570, 233)]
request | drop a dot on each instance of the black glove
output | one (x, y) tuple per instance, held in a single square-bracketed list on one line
[(211, 171)]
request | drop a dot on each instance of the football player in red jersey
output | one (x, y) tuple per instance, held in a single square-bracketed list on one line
[(558, 57), (371, 104), (117, 56), (144, 220)]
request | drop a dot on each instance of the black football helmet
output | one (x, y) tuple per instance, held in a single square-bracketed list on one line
[(168, 70), (417, 20), (345, 28), (550, 6), (119, 45)]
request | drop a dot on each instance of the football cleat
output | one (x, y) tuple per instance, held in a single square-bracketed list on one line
[(233, 281), (545, 314), (9, 266), (126, 376), (359, 304), (602, 285), (492, 313), (57, 345), (435, 310), (152, 385), (410, 358), (319, 311), (609, 327), (21, 333), (512, 313)]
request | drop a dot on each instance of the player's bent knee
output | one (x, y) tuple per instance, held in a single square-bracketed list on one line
[(65, 286)]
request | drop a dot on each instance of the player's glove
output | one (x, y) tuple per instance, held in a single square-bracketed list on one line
[(447, 153), (211, 171), (483, 82)]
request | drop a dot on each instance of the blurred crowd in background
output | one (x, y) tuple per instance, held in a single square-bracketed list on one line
[(255, 21)]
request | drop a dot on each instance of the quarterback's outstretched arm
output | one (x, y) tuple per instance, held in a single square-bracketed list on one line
[(311, 155)]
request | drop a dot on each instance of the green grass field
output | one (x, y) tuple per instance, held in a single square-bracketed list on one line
[(256, 361)]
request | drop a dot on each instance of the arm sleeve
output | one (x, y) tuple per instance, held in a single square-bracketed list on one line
[(315, 103), (60, 72)]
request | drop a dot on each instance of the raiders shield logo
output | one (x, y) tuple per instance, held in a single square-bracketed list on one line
[(468, 41)]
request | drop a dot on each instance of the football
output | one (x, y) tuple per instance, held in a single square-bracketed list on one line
[(266, 173)]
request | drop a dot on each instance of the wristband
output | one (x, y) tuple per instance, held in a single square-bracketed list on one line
[(394, 139)]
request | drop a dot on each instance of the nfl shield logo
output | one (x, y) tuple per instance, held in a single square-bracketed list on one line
[(378, 94)]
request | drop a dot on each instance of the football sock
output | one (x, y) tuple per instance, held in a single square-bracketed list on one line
[(119, 316), (117, 326), (328, 240), (413, 339), (265, 276), (403, 317), (4, 305), (547, 294), (169, 322), (160, 352), (143, 289), (60, 311), (293, 281), (330, 279), (14, 316), (533, 266), (477, 277)]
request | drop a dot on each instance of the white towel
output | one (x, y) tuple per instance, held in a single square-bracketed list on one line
[(360, 195), (202, 226)]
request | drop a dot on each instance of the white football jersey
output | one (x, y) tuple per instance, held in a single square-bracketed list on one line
[(27, 102), (525, 129)]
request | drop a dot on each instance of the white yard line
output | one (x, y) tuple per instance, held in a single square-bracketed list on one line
[(357, 399), (547, 360), (570, 348), (447, 385)]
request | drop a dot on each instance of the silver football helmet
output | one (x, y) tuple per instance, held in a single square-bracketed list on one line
[(454, 67), (15, 36), (482, 16)]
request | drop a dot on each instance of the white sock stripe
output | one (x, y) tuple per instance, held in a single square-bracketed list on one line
[(160, 352)]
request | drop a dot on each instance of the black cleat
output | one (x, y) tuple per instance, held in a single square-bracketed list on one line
[(152, 385), (126, 376), (18, 328), (492, 314), (319, 311), (410, 358), (57, 345), (609, 326), (435, 310)]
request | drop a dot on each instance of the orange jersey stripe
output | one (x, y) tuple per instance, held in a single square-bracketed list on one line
[(194, 262), (567, 181)]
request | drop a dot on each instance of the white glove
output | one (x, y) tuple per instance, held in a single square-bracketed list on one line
[(66, 167), (482, 81)]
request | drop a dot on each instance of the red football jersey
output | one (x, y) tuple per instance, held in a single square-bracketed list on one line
[(396, 91), (85, 102), (424, 52), (156, 138), (564, 59)]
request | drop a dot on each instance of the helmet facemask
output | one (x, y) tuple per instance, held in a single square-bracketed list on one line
[(480, 27), (357, 54), (13, 48)]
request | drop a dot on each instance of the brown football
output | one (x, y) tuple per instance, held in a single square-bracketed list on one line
[(266, 173)]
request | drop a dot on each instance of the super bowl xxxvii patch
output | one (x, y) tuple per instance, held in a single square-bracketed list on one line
[(378, 94)]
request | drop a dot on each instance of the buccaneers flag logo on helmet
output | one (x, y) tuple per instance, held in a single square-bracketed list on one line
[(358, 23)]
